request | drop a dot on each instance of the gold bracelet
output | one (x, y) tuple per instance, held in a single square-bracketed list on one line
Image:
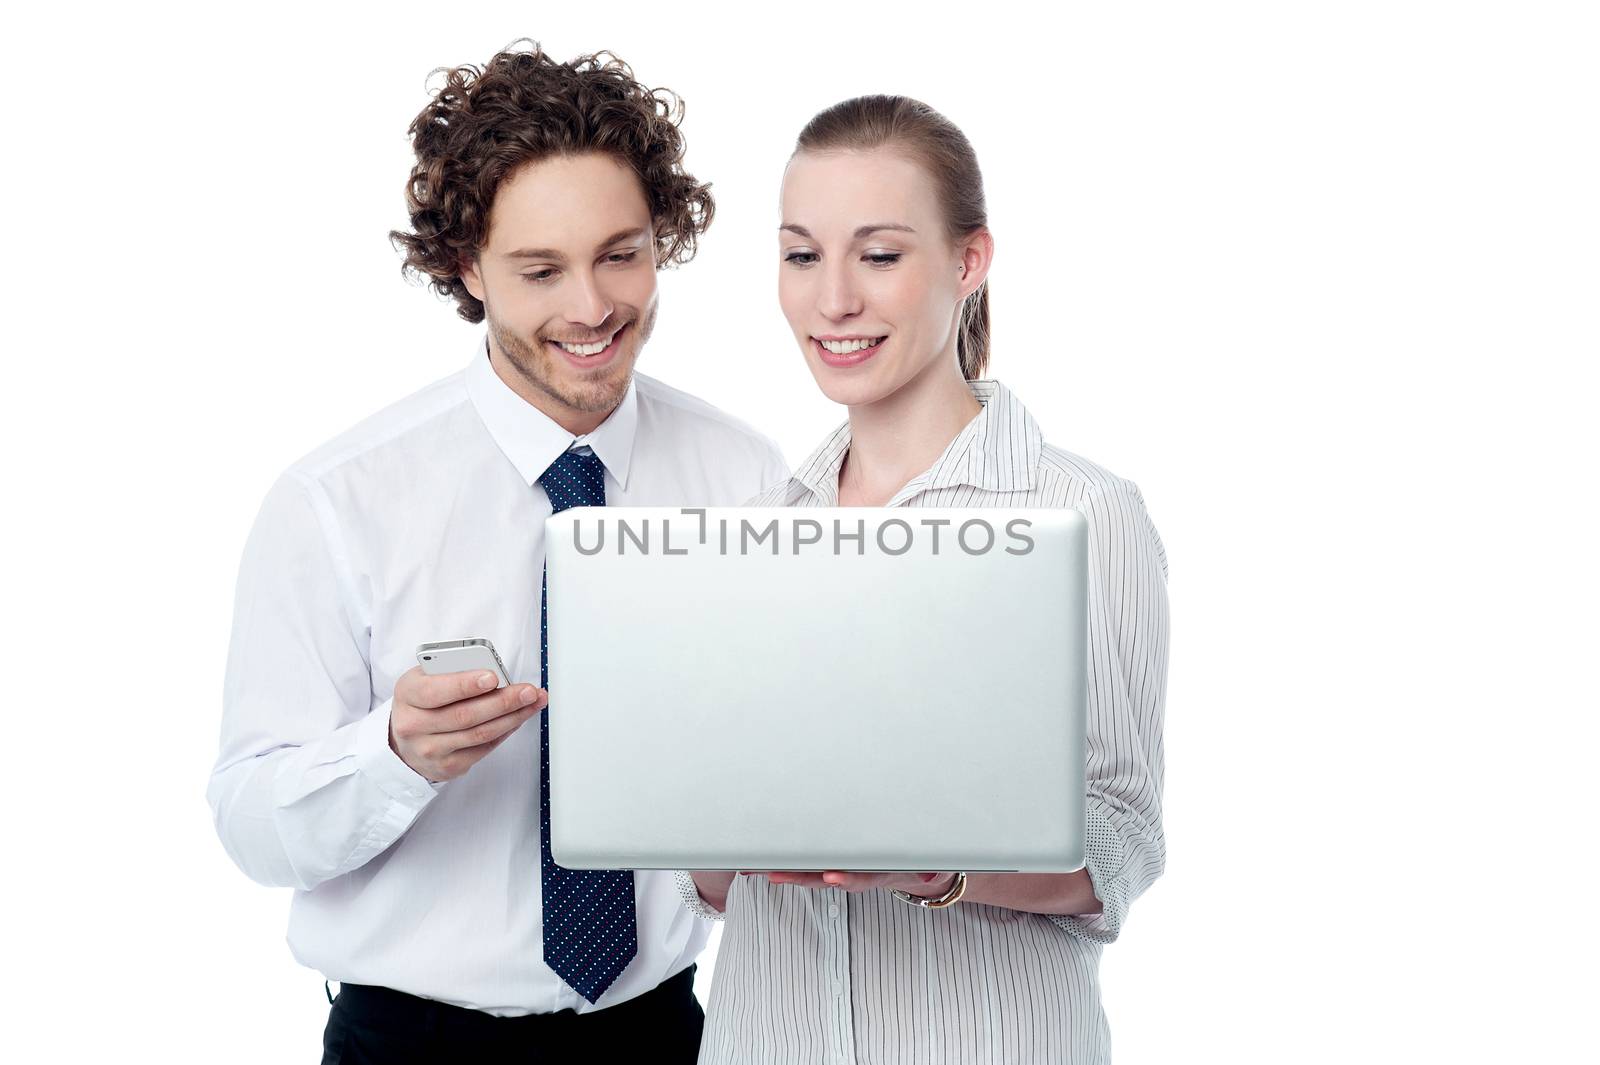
[(949, 898)]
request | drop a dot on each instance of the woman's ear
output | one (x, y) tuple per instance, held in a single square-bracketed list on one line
[(977, 253)]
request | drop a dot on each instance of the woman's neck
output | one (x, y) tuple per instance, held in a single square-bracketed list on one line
[(899, 436)]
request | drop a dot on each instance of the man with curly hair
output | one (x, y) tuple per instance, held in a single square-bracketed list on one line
[(410, 811)]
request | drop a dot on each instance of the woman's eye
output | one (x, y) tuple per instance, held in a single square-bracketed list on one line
[(882, 258), (801, 258)]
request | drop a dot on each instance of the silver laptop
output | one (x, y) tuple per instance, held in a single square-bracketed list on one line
[(799, 688)]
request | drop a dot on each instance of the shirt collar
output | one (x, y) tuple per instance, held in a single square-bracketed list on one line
[(532, 440), (997, 451)]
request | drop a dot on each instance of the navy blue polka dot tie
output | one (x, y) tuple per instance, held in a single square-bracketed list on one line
[(590, 934)]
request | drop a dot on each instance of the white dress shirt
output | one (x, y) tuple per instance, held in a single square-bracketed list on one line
[(808, 975), (425, 522)]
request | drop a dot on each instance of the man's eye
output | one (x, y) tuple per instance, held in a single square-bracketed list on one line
[(539, 277), (622, 256), (883, 258), (801, 258)]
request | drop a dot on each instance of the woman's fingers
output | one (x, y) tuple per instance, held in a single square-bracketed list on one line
[(833, 878), (916, 883), (799, 879), (858, 881)]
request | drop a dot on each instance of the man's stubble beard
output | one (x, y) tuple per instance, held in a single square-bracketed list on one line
[(534, 363)]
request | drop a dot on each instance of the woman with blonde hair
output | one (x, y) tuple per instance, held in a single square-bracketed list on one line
[(884, 258)]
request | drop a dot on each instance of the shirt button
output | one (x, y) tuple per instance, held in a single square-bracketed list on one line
[(833, 909), (838, 987)]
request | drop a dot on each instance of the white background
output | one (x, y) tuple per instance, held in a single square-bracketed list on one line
[(1321, 278)]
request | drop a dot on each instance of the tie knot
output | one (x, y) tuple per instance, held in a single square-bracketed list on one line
[(575, 480)]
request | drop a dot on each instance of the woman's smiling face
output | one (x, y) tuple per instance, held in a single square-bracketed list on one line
[(868, 277)]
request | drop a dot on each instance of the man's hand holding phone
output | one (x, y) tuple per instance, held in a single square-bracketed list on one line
[(441, 725)]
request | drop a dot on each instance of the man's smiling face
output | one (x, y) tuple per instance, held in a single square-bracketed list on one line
[(567, 278)]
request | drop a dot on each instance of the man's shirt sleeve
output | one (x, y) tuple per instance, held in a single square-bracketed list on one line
[(691, 897), (305, 787), (777, 468)]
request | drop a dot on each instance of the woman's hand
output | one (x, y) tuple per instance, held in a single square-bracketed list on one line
[(930, 885), (1059, 893)]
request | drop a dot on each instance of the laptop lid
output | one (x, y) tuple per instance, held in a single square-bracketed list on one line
[(817, 688)]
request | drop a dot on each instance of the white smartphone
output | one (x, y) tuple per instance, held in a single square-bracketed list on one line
[(460, 656)]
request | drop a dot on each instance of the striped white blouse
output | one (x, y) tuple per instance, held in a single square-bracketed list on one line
[(816, 976)]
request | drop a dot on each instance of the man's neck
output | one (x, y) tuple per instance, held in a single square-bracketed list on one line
[(577, 422)]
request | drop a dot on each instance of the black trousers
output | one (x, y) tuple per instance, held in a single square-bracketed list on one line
[(377, 1025)]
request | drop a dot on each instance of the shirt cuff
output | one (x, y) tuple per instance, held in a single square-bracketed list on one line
[(377, 760), (1105, 859), (692, 900)]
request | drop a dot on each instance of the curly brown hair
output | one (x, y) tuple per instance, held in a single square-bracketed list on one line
[(482, 125)]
